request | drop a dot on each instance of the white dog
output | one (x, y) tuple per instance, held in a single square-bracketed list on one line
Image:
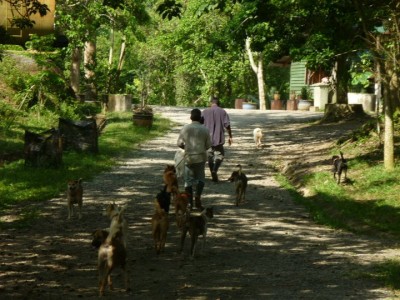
[(179, 162), (258, 134)]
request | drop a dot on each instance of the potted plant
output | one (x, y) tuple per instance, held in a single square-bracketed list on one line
[(276, 102), (304, 102), (143, 115)]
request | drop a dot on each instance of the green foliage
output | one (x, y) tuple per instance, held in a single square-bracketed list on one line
[(12, 76), (361, 71), (119, 139), (169, 9), (8, 115), (12, 47), (306, 93), (277, 78), (41, 43)]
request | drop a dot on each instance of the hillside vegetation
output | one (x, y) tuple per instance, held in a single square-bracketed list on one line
[(19, 111)]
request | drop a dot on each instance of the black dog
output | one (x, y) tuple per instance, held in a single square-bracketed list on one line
[(164, 199), (240, 180), (339, 166)]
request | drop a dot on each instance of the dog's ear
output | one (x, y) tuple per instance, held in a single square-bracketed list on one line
[(94, 232), (123, 208)]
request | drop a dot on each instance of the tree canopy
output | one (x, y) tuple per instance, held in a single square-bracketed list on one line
[(181, 52)]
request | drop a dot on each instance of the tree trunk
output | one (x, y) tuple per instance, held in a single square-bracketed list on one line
[(111, 50), (342, 78), (258, 69), (390, 94), (75, 70), (113, 80), (260, 80), (89, 60), (122, 54)]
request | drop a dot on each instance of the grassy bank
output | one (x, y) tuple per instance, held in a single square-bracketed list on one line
[(119, 139), (367, 204)]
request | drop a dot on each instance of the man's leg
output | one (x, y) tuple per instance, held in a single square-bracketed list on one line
[(199, 175), (211, 159), (197, 198), (218, 157), (189, 183)]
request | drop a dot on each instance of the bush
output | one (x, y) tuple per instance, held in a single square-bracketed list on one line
[(41, 43)]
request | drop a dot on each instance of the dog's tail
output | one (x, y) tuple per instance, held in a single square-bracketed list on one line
[(342, 157)]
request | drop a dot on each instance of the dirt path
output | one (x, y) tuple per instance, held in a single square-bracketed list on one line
[(267, 248)]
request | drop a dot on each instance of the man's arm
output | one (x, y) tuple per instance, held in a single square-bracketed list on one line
[(180, 142), (230, 140)]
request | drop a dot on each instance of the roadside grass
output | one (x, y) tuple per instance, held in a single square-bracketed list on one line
[(387, 272), (367, 203), (119, 139)]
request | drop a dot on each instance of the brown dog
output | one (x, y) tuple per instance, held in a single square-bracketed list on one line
[(74, 196), (118, 222), (159, 224), (170, 179), (112, 254), (240, 180), (181, 206), (196, 225)]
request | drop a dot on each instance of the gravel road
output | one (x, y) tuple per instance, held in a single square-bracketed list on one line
[(267, 248)]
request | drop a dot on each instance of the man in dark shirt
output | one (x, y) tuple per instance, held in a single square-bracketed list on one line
[(216, 119)]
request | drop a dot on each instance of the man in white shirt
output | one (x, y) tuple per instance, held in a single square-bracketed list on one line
[(194, 138)]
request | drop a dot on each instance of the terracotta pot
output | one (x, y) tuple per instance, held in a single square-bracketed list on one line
[(143, 120), (291, 105), (276, 105), (239, 103)]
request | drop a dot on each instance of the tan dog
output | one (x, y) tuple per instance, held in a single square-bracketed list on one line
[(118, 222), (181, 206), (74, 196), (159, 224), (257, 135), (170, 179), (196, 225), (112, 254)]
